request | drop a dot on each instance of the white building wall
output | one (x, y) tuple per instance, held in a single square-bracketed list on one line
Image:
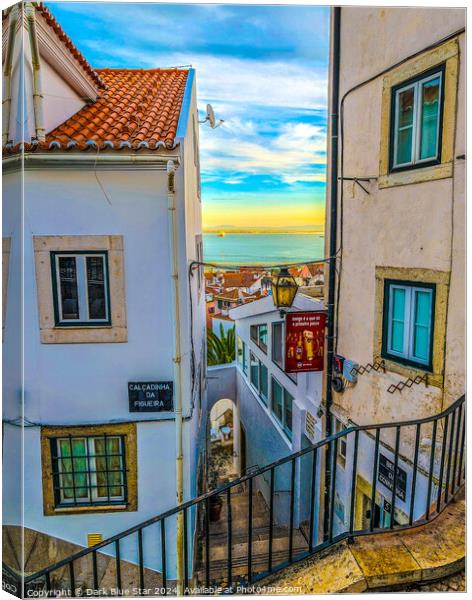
[(60, 100)]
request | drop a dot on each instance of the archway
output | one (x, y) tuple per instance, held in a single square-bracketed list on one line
[(224, 442)]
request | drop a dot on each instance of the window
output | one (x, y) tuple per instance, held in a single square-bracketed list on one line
[(278, 344), (88, 470), (259, 377), (254, 371), (242, 360), (342, 444), (263, 380), (281, 405), (259, 336), (80, 288), (408, 322), (416, 119)]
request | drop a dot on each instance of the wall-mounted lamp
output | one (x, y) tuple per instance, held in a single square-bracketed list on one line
[(284, 290)]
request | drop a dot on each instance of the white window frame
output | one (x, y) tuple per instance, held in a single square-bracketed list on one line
[(408, 330), (416, 125), (91, 486), (82, 287)]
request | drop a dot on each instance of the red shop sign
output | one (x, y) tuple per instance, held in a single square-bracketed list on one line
[(304, 341)]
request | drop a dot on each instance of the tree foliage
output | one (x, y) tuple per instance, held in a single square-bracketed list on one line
[(221, 349)]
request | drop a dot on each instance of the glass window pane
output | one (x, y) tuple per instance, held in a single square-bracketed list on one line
[(430, 93), (74, 468), (277, 400), (406, 100), (240, 350), (254, 371), (68, 287), (244, 358), (397, 326), (277, 343), (404, 133), (96, 287), (423, 308), (404, 146), (421, 343), (422, 325), (397, 336), (264, 381), (288, 411), (108, 467), (263, 336)]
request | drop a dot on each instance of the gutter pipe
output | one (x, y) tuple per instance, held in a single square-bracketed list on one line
[(179, 459), (336, 53), (86, 160), (40, 131), (7, 72)]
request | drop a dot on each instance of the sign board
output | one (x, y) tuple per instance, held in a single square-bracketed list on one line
[(151, 396), (386, 475), (304, 341)]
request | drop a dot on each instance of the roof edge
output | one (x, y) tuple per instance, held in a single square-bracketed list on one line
[(185, 106)]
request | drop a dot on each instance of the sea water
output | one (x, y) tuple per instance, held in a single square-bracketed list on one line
[(263, 248)]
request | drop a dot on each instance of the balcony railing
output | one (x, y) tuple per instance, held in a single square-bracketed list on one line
[(388, 477)]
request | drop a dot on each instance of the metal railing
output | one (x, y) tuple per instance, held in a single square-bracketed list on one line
[(385, 477)]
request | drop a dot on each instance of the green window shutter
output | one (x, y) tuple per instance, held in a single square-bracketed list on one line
[(397, 320), (430, 96), (422, 324)]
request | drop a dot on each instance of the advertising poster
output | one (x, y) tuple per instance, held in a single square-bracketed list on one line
[(304, 341)]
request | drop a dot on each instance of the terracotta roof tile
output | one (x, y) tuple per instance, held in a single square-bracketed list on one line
[(112, 119), (238, 279)]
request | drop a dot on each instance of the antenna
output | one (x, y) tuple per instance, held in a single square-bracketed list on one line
[(210, 118)]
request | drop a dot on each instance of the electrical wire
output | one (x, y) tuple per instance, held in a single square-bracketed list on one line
[(341, 140)]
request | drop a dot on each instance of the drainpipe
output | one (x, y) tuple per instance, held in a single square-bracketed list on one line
[(35, 60), (7, 72), (179, 459), (336, 52)]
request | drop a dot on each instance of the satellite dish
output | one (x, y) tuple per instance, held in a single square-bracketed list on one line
[(210, 118)]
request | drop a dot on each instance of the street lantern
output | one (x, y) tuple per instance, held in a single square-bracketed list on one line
[(284, 289)]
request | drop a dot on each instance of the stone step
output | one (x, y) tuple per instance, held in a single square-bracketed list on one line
[(238, 525), (258, 533), (219, 568), (259, 547)]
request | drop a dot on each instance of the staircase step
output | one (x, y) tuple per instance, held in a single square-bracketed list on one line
[(238, 525), (219, 568), (259, 547)]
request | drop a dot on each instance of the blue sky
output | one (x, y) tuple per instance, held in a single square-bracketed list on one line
[(264, 70)]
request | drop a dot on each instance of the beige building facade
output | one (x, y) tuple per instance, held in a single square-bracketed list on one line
[(400, 283)]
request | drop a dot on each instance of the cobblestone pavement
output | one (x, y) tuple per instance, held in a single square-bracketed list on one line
[(453, 583)]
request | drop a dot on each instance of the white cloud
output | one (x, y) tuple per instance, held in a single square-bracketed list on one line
[(296, 153)]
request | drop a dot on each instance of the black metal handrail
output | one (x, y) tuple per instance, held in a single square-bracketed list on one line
[(432, 485)]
